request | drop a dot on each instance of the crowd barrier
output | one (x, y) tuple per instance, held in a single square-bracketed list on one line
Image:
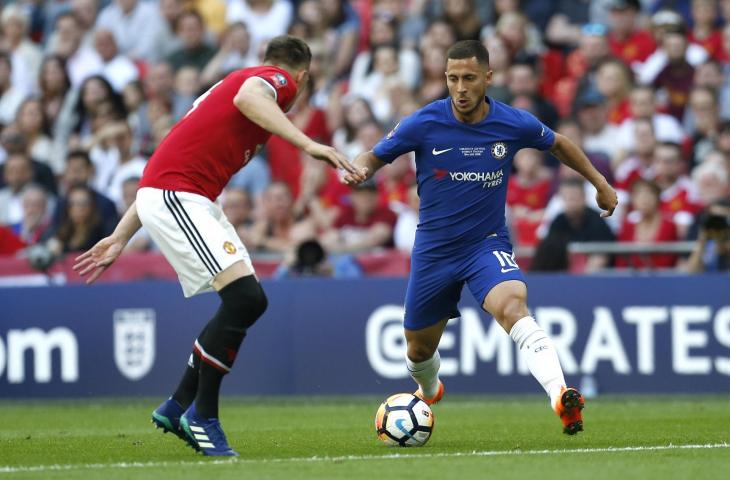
[(642, 334)]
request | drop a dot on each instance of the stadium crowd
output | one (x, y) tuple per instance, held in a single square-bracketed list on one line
[(88, 88)]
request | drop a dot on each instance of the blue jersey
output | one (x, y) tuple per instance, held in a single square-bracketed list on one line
[(462, 169)]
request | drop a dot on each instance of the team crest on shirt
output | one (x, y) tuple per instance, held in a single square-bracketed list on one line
[(229, 248), (499, 150), (279, 79)]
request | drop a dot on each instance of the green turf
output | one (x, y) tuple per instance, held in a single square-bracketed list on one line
[(277, 439)]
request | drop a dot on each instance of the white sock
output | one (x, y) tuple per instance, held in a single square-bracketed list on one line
[(540, 354), (426, 374)]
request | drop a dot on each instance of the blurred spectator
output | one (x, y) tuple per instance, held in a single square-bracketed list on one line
[(712, 251), (376, 87), (706, 123), (614, 81), (439, 34), (254, 179), (356, 113), (165, 42), (499, 63), (598, 135), (528, 193), (235, 52), (136, 25), (551, 254), (711, 179), (236, 204), (10, 96), (79, 171), (395, 181), (187, 89), (36, 219), (404, 232), (704, 27), (307, 259), (384, 33), (662, 22), (25, 55), (82, 60), (17, 174), (81, 223), (97, 103), (159, 82), (647, 224), (114, 160), (674, 82), (276, 230), (361, 226), (10, 244), (12, 142), (637, 164), (213, 13), (265, 19), (54, 86), (626, 39), (343, 30), (710, 75), (433, 66), (135, 102), (523, 81), (679, 196), (32, 123), (642, 107), (194, 51), (564, 26), (600, 160), (523, 41), (118, 69), (463, 17), (578, 223), (581, 65)]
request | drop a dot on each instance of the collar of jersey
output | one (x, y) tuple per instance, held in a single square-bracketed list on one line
[(486, 119)]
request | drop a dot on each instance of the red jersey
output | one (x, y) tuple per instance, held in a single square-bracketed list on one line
[(667, 232), (214, 139), (636, 48)]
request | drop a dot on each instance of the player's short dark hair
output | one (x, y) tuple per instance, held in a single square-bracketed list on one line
[(468, 49), (79, 154), (288, 50)]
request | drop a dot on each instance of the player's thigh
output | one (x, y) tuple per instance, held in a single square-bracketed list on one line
[(432, 295), (186, 229), (497, 283), (238, 269)]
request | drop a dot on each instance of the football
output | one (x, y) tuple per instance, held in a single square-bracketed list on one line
[(404, 420)]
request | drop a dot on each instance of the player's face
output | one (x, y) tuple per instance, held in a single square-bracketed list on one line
[(301, 78), (467, 82)]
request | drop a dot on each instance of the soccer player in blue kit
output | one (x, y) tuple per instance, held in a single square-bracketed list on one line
[(464, 147)]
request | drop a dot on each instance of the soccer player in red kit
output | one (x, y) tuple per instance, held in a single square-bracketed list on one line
[(175, 203)]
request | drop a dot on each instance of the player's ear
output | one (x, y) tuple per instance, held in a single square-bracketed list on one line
[(301, 77)]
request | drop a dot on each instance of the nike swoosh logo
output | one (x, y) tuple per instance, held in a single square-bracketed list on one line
[(399, 426), (439, 152), (505, 270)]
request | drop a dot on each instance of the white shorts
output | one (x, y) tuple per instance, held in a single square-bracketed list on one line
[(193, 233)]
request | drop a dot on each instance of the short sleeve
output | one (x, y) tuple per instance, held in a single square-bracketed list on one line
[(536, 134), (402, 139), (284, 87)]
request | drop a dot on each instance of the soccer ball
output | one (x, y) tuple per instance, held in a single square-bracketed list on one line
[(404, 420)]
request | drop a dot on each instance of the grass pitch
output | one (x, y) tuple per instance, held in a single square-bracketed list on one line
[(475, 437)]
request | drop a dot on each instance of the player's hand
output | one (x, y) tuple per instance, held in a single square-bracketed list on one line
[(607, 200), (350, 179), (331, 156), (98, 258)]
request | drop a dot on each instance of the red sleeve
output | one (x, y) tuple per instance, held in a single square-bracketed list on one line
[(282, 83)]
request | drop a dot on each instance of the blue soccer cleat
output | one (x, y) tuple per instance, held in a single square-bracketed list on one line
[(167, 417), (205, 434)]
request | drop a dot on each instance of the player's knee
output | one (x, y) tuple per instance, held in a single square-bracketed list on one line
[(512, 308), (419, 352), (245, 300)]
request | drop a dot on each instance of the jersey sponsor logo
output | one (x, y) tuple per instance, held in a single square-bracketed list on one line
[(392, 132), (279, 80), (439, 152), (489, 179), (499, 150), (229, 248), (439, 173)]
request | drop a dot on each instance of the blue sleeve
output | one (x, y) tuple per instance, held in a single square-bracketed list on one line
[(402, 139), (536, 134)]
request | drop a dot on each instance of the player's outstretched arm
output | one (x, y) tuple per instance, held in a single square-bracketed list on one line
[(571, 155), (257, 102), (99, 257), (367, 163)]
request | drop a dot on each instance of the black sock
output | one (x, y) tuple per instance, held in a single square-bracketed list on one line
[(188, 387), (243, 302), (209, 385)]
